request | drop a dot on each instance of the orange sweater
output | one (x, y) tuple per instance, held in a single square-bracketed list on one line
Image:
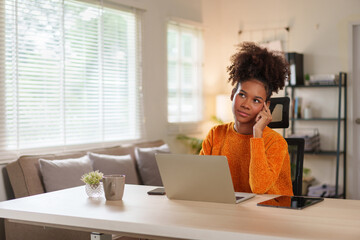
[(258, 165)]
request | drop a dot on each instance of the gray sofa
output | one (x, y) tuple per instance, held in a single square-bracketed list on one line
[(26, 180)]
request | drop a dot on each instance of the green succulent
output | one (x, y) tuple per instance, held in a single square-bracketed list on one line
[(92, 178)]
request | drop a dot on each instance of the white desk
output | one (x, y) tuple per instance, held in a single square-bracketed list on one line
[(145, 215)]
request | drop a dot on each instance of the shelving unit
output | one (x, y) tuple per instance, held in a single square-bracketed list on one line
[(342, 85)]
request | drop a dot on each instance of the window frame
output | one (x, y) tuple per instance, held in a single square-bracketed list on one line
[(187, 126)]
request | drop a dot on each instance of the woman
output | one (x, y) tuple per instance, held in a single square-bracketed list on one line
[(258, 156)]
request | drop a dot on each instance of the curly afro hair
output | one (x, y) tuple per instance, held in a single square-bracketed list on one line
[(254, 62)]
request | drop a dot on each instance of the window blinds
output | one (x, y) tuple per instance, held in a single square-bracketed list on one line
[(71, 73)]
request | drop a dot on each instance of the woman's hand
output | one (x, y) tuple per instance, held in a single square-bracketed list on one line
[(261, 121)]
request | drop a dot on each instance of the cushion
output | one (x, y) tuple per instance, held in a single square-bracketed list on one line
[(110, 164), (148, 169), (66, 173)]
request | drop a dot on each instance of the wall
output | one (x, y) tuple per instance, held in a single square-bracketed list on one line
[(318, 29)]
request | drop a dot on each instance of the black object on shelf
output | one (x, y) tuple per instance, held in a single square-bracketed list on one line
[(296, 61), (342, 84)]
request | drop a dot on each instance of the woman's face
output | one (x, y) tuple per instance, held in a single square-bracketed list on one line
[(248, 101)]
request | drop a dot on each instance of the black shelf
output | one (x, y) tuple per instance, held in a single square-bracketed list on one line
[(315, 86), (324, 152), (341, 86), (316, 119)]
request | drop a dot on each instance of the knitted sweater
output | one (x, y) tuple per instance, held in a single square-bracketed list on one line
[(258, 165)]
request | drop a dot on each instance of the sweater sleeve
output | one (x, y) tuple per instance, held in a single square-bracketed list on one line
[(207, 144), (265, 164)]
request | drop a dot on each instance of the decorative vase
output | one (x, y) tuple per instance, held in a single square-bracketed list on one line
[(94, 190)]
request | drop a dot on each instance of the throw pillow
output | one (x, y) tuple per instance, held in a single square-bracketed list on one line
[(66, 173), (111, 164), (148, 169)]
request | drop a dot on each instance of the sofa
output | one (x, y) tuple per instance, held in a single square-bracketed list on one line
[(31, 175)]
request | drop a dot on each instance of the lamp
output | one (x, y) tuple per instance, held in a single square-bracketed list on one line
[(224, 108)]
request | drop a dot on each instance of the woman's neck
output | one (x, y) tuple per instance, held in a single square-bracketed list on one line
[(243, 128)]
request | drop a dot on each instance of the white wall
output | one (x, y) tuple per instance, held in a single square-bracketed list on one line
[(318, 29)]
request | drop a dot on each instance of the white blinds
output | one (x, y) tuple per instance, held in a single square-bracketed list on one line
[(184, 54), (71, 74)]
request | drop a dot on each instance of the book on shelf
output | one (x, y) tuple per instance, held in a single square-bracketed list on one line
[(297, 107)]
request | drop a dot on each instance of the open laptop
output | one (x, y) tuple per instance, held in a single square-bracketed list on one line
[(198, 178)]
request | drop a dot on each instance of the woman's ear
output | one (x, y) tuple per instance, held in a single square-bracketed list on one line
[(233, 93)]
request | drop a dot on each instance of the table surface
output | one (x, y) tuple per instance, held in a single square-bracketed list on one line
[(144, 215)]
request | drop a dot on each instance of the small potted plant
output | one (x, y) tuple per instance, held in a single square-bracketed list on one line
[(93, 182)]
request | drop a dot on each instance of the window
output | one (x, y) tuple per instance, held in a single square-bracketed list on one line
[(184, 59), (72, 74)]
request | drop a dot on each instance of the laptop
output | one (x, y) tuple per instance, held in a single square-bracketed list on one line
[(198, 178)]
